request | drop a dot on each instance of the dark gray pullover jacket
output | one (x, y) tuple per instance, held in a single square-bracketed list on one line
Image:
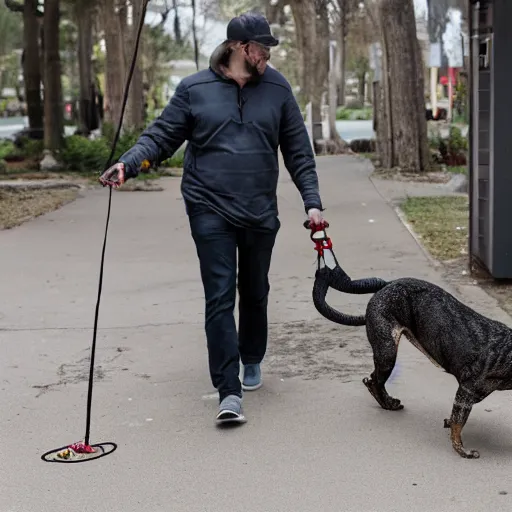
[(231, 159)]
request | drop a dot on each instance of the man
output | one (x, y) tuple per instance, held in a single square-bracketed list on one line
[(234, 116)]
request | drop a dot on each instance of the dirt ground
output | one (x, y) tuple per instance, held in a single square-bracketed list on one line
[(19, 206)]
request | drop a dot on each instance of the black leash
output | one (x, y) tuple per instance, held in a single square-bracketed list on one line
[(109, 163), (335, 277)]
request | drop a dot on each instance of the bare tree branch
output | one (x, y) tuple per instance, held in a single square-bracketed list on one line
[(14, 6)]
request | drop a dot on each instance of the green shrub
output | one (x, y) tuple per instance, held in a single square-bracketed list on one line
[(126, 141), (32, 148), (342, 114), (176, 161), (28, 149), (452, 150), (108, 131), (84, 155), (456, 141), (354, 114), (6, 148)]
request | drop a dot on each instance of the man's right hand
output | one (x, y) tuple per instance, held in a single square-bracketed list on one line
[(113, 176)]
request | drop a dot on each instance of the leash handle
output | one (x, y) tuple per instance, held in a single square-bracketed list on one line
[(319, 236)]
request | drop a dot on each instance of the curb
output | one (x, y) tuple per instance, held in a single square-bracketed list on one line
[(401, 215), (38, 185)]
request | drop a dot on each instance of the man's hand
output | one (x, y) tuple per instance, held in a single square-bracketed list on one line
[(315, 217), (114, 176)]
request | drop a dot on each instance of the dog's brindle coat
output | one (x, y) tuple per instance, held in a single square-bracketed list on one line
[(476, 350)]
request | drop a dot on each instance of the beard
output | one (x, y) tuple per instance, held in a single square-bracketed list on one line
[(255, 70)]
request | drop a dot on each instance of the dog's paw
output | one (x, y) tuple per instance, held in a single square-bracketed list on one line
[(474, 454), (447, 423), (470, 454), (393, 404), (466, 454)]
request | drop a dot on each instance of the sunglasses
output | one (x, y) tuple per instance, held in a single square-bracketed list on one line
[(265, 50)]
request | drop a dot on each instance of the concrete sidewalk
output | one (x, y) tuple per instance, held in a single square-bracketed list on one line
[(315, 441)]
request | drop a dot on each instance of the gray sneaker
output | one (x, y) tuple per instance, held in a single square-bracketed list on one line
[(252, 377), (230, 410)]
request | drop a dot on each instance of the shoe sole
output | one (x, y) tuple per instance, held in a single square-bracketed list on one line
[(226, 416), (245, 387)]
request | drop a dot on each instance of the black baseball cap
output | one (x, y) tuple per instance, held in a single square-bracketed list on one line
[(251, 26)]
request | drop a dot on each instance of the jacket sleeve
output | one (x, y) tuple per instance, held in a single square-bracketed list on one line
[(164, 136), (298, 154)]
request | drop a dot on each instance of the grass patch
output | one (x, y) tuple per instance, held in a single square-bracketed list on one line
[(458, 169), (441, 223), (19, 206), (354, 114)]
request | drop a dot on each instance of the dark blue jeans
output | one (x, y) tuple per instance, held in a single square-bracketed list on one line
[(217, 242)]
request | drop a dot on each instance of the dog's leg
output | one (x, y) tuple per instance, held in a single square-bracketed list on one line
[(462, 405), (384, 340)]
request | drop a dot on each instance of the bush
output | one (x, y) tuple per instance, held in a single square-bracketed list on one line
[(24, 149), (6, 148), (80, 153), (456, 141), (32, 148), (354, 114), (176, 161), (85, 155), (453, 150)]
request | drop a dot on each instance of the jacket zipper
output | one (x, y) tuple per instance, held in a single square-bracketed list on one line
[(240, 104)]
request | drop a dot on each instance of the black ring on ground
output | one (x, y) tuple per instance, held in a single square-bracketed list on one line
[(86, 457)]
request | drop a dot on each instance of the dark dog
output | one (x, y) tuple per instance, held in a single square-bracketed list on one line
[(476, 350)]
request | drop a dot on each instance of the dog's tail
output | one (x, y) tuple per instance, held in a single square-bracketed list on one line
[(337, 278)]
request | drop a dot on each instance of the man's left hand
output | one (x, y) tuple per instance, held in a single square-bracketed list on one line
[(315, 216)]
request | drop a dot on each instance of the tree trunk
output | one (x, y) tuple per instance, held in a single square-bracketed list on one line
[(115, 62), (135, 107), (342, 48), (361, 89), (320, 63), (177, 24), (303, 12), (314, 52), (53, 108), (382, 110), (194, 34), (333, 83), (32, 69), (313, 44), (85, 46), (404, 88)]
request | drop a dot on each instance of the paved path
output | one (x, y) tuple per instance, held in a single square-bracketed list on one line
[(315, 440)]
